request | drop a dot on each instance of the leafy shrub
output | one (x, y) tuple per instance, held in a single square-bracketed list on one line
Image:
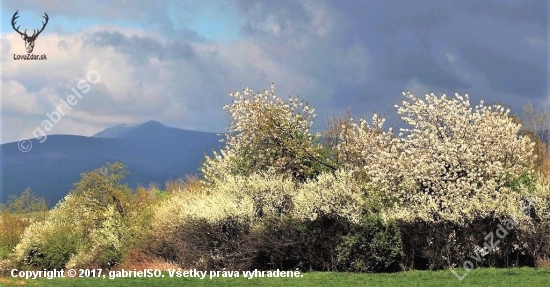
[(443, 245), (202, 226), (288, 243), (250, 198), (11, 229), (207, 245), (290, 224), (371, 246), (92, 226), (48, 245), (534, 228), (278, 243)]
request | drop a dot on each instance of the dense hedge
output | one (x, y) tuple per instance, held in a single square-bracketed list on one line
[(327, 243)]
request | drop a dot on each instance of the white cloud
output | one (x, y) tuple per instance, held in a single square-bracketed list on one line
[(16, 98)]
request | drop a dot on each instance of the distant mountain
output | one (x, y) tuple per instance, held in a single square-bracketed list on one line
[(115, 131), (151, 152), (146, 130)]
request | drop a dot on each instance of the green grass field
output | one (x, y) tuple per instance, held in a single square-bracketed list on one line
[(478, 277)]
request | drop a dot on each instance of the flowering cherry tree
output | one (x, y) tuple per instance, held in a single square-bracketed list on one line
[(452, 158), (266, 132), (454, 152)]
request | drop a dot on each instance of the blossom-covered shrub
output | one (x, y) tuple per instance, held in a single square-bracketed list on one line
[(50, 244), (262, 195), (430, 244), (331, 194), (93, 226)]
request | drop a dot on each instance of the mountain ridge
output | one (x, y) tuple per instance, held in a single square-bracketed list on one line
[(151, 152)]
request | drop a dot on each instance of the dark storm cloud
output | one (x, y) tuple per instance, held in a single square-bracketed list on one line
[(530, 11), (506, 74), (141, 48), (409, 42)]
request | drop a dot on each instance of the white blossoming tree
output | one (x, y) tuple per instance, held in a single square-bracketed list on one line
[(459, 154), (453, 160), (266, 132)]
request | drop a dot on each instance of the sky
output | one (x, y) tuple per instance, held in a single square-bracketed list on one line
[(176, 61)]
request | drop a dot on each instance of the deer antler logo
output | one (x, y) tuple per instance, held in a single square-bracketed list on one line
[(29, 40)]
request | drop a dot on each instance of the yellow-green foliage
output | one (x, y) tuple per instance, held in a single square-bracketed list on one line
[(94, 225), (262, 195), (337, 194), (506, 202), (11, 229)]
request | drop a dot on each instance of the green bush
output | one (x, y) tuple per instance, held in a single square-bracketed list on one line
[(372, 246), (288, 243), (206, 245), (109, 257), (54, 250), (93, 226)]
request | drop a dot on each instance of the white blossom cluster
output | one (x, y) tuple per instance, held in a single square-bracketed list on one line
[(452, 161), (262, 195), (455, 152), (370, 152), (265, 132), (35, 236)]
